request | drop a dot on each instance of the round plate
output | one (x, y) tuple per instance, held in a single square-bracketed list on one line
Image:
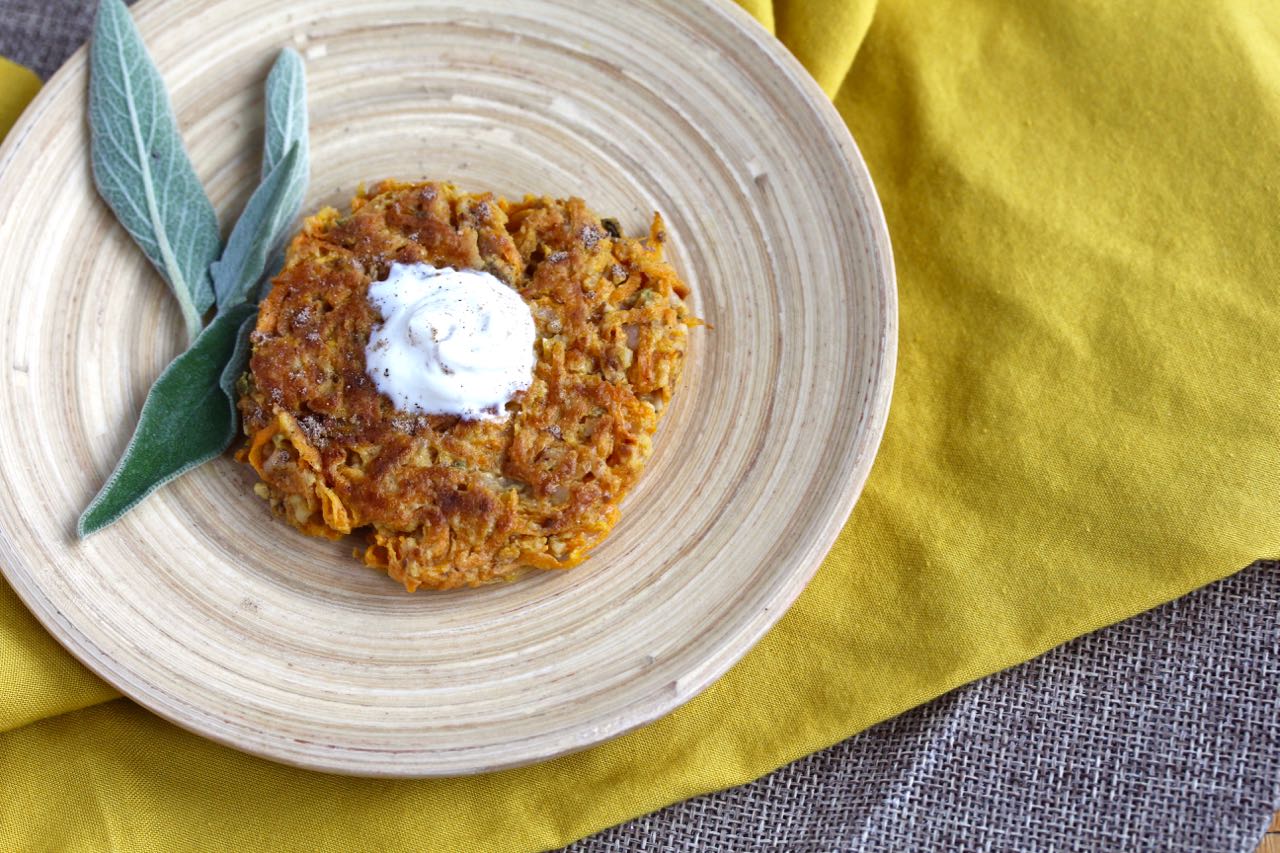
[(205, 609)]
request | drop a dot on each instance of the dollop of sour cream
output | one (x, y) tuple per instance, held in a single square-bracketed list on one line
[(451, 342)]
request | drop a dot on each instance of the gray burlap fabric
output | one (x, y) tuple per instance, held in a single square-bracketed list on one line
[(41, 34), (1162, 733)]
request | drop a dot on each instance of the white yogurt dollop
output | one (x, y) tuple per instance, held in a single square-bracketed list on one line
[(451, 342)]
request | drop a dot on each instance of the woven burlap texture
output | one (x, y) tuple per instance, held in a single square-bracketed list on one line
[(1160, 733)]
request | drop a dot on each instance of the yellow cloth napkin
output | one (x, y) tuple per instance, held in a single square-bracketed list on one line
[(17, 87), (1083, 199)]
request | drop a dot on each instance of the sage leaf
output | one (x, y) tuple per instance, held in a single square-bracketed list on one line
[(254, 244), (238, 363), (286, 104), (260, 230), (140, 167), (187, 419), (190, 415)]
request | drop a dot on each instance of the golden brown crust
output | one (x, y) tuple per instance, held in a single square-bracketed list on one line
[(445, 502)]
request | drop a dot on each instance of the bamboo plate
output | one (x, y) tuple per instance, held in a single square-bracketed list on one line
[(204, 609)]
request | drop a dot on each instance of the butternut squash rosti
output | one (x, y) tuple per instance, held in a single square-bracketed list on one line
[(444, 502)]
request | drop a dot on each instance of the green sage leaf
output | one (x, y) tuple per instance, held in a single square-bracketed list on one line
[(286, 104), (238, 363), (255, 241), (190, 414), (187, 419), (140, 167), (260, 230)]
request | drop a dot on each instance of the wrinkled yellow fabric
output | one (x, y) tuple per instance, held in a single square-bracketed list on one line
[(1085, 207)]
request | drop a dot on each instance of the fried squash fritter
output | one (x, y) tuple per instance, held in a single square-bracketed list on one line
[(444, 502)]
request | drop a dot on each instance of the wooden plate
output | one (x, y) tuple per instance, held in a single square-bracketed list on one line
[(206, 610)]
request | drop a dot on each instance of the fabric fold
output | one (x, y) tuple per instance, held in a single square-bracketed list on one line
[(825, 36), (39, 678)]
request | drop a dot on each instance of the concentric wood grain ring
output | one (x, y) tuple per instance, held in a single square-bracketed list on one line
[(203, 608)]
